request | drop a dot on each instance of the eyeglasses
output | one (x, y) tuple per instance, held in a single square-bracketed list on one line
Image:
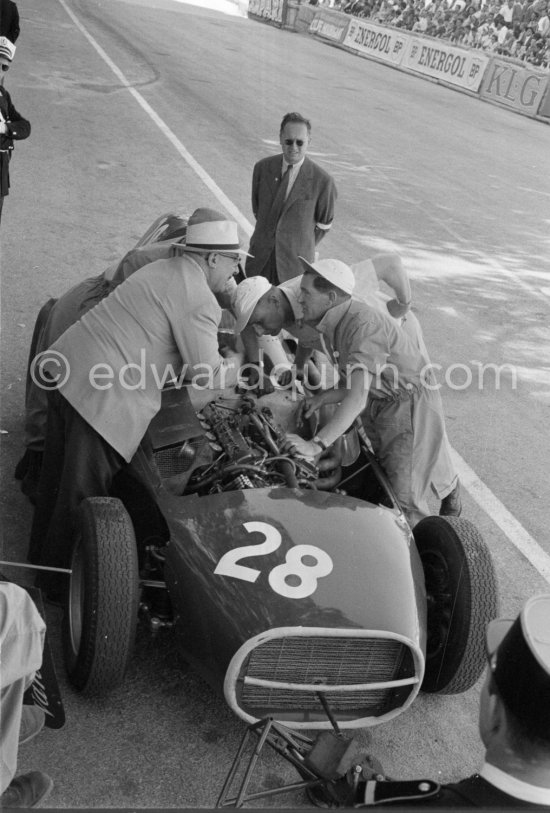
[(298, 141), (5, 67), (235, 258)]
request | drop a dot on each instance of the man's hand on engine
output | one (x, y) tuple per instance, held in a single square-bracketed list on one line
[(298, 446), (286, 377), (258, 380)]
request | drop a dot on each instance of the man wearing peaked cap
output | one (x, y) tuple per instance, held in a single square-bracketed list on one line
[(380, 366), (160, 323), (514, 725)]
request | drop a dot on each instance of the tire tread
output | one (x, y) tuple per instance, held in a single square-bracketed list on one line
[(112, 585)]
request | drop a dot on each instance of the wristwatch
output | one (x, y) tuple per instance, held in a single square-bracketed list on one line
[(320, 443)]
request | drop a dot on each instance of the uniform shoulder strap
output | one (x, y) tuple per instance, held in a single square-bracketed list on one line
[(377, 793)]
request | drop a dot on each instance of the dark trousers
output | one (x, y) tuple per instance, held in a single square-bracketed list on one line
[(78, 463)]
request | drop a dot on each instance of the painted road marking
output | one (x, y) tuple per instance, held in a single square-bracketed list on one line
[(500, 515), (482, 495), (163, 127)]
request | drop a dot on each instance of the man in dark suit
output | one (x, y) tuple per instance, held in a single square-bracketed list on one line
[(514, 725), (293, 203)]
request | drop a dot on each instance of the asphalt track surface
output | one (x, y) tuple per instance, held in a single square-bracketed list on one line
[(143, 106)]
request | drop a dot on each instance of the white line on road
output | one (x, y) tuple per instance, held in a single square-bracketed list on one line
[(500, 515), (482, 495), (163, 127)]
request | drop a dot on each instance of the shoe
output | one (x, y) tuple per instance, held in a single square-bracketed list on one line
[(32, 723), (451, 505), (27, 790)]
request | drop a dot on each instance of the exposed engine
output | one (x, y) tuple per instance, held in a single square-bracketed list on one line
[(239, 447)]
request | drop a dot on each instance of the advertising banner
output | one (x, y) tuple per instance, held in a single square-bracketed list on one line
[(305, 15), (544, 109), (269, 10), (455, 66), (375, 40), (330, 25), (514, 85)]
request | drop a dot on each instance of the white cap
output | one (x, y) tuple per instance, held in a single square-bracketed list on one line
[(247, 295), (7, 49), (334, 271)]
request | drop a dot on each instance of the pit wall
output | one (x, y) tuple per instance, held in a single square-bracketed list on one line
[(500, 80)]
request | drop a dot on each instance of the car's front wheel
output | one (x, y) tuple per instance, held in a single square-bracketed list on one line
[(461, 589), (100, 620)]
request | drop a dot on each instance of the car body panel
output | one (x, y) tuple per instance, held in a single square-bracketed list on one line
[(229, 562)]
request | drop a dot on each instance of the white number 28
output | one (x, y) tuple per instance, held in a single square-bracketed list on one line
[(304, 564)]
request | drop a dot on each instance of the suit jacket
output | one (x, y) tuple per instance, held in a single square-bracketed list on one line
[(311, 201)]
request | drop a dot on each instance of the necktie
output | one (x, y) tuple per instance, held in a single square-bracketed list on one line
[(279, 199)]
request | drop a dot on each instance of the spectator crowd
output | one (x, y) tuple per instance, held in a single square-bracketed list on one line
[(515, 28)]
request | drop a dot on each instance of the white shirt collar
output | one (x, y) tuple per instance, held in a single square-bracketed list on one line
[(293, 167), (515, 787)]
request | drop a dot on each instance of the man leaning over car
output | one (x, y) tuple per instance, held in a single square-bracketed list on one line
[(107, 372), (56, 316), (377, 361)]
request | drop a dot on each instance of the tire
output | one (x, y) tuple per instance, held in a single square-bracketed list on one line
[(462, 598), (99, 626)]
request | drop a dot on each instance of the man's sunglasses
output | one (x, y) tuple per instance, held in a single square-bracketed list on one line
[(5, 67), (298, 141)]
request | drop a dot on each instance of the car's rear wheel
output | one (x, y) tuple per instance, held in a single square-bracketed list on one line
[(461, 590), (99, 626)]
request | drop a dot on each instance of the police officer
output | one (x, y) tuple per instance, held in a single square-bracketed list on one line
[(514, 725), (13, 127)]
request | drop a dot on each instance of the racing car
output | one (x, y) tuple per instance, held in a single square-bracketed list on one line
[(296, 588)]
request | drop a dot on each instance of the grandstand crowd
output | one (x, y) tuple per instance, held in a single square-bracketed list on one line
[(515, 28)]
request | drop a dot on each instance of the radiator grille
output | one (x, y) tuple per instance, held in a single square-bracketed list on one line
[(333, 661)]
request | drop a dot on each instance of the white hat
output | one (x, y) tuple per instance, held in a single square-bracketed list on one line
[(208, 230), (246, 297), (7, 49), (334, 271)]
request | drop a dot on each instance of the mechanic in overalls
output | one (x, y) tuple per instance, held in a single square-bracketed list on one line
[(409, 434), (108, 370)]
